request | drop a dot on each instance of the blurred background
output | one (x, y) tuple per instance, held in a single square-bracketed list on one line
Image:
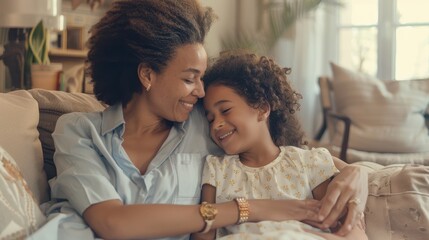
[(388, 39)]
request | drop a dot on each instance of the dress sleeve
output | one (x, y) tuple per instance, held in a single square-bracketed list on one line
[(320, 166), (209, 172), (82, 175)]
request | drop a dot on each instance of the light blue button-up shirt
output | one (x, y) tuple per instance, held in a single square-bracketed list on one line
[(92, 167)]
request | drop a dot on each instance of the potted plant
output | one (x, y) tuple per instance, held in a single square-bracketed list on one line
[(44, 74)]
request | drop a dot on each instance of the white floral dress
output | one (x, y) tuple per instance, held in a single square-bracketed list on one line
[(292, 175)]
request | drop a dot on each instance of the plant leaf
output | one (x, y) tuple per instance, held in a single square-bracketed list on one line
[(37, 43)]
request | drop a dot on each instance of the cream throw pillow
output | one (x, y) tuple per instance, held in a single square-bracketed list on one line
[(20, 138), (20, 213), (387, 116)]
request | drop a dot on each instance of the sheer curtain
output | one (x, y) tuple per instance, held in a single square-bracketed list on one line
[(308, 52)]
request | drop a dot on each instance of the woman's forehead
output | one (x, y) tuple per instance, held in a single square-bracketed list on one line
[(190, 57)]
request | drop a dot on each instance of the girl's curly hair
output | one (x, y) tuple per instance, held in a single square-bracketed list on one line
[(261, 81), (141, 31)]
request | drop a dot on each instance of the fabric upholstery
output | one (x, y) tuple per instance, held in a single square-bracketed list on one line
[(382, 158), (20, 213), (397, 203), (20, 138), (387, 116), (53, 104)]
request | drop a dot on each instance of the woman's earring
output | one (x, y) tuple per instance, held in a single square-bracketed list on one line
[(148, 87)]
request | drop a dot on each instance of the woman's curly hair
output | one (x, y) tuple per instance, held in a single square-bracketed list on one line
[(261, 81), (140, 31)]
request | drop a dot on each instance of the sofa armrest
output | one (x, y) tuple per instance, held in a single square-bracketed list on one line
[(327, 113), (345, 138)]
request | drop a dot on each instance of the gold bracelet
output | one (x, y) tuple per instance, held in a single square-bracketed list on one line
[(243, 209)]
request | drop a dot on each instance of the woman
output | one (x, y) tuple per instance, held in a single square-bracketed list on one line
[(134, 170)]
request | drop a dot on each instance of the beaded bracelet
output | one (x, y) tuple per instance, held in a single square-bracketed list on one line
[(243, 209)]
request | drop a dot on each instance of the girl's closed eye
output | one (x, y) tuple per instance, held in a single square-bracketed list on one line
[(225, 111)]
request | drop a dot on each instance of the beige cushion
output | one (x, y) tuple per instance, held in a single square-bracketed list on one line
[(20, 138), (20, 213), (53, 104), (382, 158), (387, 116), (398, 200)]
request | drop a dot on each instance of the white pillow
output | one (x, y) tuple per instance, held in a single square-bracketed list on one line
[(20, 213), (20, 138), (386, 116)]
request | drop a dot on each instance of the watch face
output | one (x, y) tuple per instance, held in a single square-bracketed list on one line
[(208, 211)]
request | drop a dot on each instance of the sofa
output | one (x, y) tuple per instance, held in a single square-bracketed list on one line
[(397, 206)]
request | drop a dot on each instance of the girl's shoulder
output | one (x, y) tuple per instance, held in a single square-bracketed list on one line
[(304, 155), (222, 160), (304, 150)]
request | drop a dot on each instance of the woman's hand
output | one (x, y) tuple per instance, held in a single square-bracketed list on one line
[(348, 191), (280, 210), (328, 236), (358, 233)]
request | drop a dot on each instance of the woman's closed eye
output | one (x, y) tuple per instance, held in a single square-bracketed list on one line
[(188, 81)]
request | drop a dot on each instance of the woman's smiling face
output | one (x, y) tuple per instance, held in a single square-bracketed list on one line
[(176, 89)]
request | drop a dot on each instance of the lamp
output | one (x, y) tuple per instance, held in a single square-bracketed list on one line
[(19, 16)]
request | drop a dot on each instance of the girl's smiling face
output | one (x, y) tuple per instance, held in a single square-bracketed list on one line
[(234, 125)]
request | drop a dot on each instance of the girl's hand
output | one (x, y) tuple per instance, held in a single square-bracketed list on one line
[(280, 210), (347, 191)]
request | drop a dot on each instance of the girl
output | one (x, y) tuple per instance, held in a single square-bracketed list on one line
[(250, 107)]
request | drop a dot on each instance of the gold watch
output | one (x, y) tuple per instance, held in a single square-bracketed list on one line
[(208, 212)]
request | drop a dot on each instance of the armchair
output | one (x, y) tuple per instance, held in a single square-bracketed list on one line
[(369, 120)]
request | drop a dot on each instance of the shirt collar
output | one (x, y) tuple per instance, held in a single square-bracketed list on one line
[(113, 117)]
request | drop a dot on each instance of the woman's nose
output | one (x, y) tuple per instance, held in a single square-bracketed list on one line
[(199, 89)]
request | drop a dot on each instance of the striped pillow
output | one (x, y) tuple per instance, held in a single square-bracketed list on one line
[(387, 116)]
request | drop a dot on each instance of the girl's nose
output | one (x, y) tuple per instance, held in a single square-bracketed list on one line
[(219, 125)]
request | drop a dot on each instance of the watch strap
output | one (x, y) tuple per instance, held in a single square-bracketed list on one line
[(208, 213)]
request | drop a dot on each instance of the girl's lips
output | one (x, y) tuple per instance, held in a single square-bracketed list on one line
[(226, 135)]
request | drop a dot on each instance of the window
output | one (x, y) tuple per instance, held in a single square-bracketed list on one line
[(385, 38)]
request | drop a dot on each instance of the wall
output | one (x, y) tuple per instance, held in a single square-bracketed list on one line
[(83, 16), (233, 16), (224, 26)]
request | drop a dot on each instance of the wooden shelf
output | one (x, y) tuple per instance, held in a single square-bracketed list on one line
[(58, 52)]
